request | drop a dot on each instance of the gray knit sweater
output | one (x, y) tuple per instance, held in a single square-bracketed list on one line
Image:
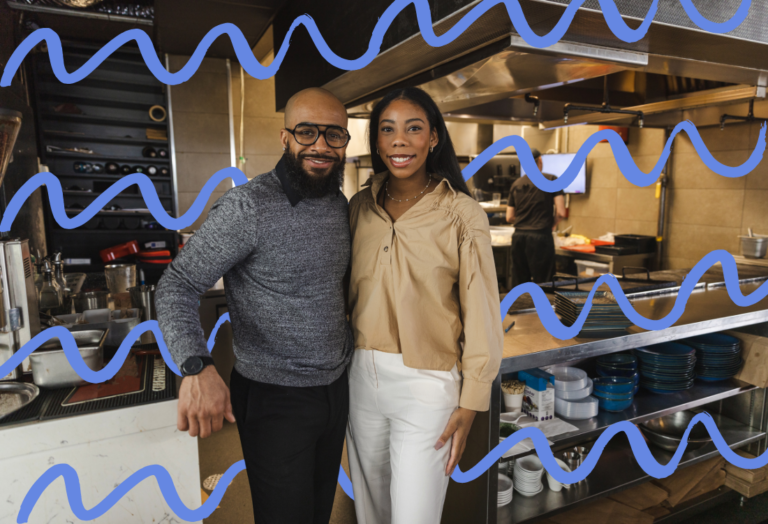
[(283, 260)]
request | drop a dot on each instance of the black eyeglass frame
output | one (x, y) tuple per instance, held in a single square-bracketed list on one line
[(319, 133)]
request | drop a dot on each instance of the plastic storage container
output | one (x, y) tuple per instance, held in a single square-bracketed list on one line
[(587, 268)]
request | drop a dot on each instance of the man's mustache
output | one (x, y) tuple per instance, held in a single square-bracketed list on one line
[(316, 157)]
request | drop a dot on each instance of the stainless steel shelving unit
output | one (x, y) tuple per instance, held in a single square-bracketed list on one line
[(617, 470), (529, 345)]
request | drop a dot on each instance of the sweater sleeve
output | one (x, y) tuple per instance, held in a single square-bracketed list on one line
[(226, 238), (480, 312)]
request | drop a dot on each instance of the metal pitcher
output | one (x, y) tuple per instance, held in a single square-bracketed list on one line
[(143, 297)]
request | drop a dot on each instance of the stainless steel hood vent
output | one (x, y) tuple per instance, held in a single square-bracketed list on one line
[(490, 65)]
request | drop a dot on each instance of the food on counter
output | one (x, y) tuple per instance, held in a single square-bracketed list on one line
[(506, 430)]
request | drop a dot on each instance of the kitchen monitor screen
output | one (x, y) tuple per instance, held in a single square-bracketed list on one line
[(557, 164)]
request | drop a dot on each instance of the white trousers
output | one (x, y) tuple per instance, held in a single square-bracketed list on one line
[(396, 415)]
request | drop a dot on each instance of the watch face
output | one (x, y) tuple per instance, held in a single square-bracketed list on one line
[(193, 366)]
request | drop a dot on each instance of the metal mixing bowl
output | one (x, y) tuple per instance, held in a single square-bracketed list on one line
[(667, 432)]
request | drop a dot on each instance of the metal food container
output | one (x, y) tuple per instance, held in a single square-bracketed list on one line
[(118, 322), (754, 247), (50, 367), (90, 300)]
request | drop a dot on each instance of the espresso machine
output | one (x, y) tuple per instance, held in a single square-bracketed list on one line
[(19, 316)]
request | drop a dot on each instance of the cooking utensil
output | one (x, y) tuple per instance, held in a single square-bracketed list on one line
[(143, 297), (667, 432), (50, 367), (16, 395), (90, 300)]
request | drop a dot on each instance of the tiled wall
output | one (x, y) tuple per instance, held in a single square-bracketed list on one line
[(611, 204), (201, 129), (262, 124), (708, 211)]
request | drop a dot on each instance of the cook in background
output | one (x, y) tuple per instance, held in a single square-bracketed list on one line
[(535, 214)]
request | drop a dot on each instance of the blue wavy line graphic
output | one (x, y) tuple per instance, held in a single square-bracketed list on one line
[(623, 159), (423, 15), (148, 192), (639, 447), (622, 155)]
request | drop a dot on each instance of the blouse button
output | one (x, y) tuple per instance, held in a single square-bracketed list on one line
[(386, 248)]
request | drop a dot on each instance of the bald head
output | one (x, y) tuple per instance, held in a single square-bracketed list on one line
[(315, 105)]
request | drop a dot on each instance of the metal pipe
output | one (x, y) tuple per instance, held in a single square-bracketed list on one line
[(242, 118), (664, 180), (172, 146), (80, 14), (232, 154)]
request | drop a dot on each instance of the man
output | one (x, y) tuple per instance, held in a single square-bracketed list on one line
[(282, 243), (531, 209)]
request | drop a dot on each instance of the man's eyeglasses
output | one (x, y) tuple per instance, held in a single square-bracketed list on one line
[(307, 134)]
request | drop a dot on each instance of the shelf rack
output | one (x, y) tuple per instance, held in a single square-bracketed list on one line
[(528, 345), (113, 121)]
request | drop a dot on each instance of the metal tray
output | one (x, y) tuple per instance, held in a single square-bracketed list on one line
[(16, 395), (50, 367)]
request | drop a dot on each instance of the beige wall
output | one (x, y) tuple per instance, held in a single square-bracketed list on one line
[(708, 211), (201, 131), (262, 124)]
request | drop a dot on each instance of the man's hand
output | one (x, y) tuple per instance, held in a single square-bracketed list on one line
[(203, 403), (457, 430)]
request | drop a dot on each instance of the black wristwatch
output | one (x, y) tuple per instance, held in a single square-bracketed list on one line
[(194, 365)]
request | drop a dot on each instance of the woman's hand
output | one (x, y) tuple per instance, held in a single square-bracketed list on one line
[(457, 430)]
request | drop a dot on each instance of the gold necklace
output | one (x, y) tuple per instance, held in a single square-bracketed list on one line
[(386, 188)]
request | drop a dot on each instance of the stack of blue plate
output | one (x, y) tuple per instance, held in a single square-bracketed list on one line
[(666, 368), (614, 394), (718, 356), (619, 365)]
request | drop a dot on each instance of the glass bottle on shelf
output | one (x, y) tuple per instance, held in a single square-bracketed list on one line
[(51, 296)]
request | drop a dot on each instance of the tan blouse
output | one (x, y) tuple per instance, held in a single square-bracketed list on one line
[(425, 286)]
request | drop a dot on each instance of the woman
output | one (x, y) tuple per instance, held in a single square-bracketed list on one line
[(424, 302)]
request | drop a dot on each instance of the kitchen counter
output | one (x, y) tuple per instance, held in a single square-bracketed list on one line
[(528, 344), (104, 448), (615, 263)]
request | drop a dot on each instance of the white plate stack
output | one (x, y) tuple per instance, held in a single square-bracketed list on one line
[(527, 476), (505, 490), (572, 394)]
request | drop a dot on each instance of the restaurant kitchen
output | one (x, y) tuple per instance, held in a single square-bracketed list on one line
[(97, 280)]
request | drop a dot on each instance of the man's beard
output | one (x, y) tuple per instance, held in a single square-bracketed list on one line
[(313, 186)]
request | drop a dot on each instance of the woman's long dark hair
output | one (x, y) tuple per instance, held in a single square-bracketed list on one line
[(442, 162)]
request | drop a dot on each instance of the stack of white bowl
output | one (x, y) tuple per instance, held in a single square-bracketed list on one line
[(505, 490), (572, 394), (527, 476)]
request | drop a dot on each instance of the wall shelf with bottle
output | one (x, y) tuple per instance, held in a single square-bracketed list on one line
[(94, 132)]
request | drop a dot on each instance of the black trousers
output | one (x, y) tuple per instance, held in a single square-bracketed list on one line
[(292, 441), (533, 256)]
